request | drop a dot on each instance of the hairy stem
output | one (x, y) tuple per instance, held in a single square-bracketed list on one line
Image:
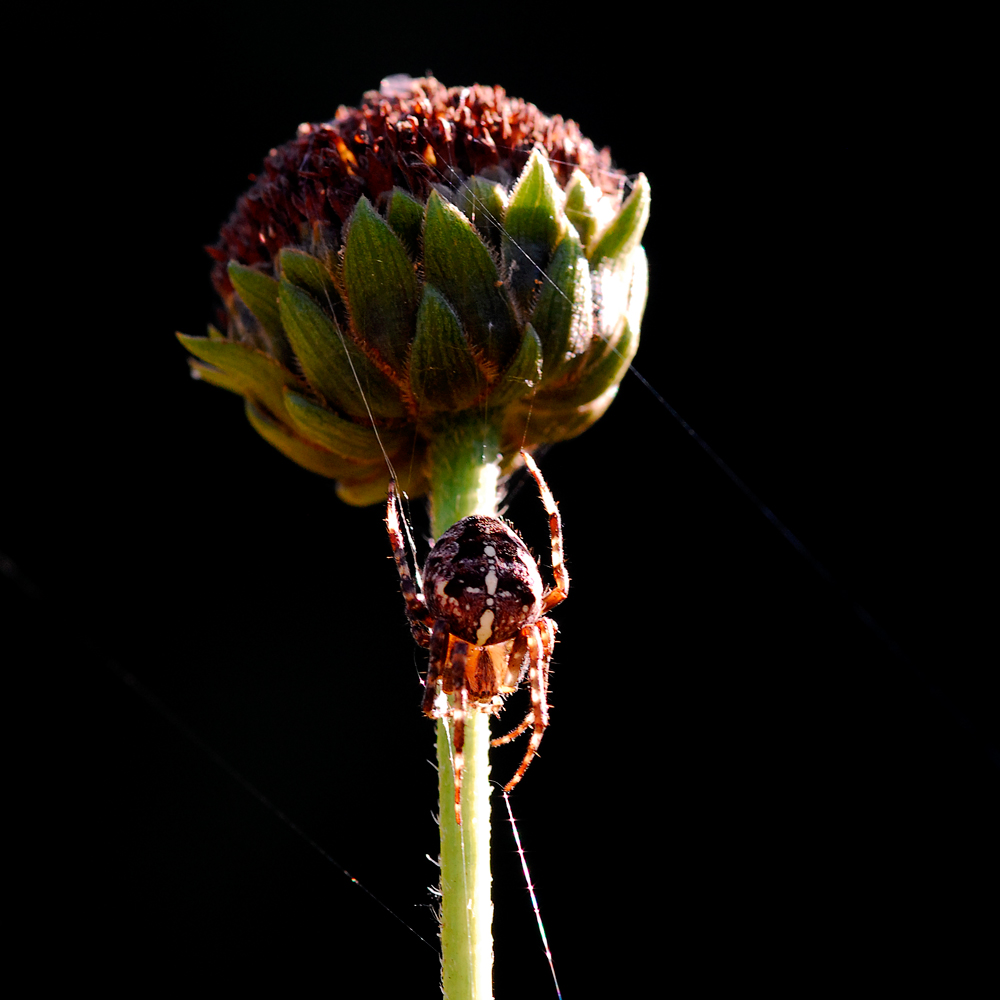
[(464, 464)]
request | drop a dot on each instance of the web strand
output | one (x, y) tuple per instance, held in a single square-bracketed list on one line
[(10, 570), (857, 609), (765, 511), (452, 179), (531, 893)]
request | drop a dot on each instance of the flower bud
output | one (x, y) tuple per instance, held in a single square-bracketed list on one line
[(434, 253)]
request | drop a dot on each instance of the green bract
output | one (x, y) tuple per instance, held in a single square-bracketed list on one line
[(518, 304)]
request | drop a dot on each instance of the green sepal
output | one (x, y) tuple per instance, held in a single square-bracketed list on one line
[(214, 333), (457, 262), (201, 372), (563, 314), (625, 231), (259, 293), (443, 373), (343, 437), (483, 202), (244, 370), (606, 370), (406, 218), (524, 373), (323, 356), (581, 206), (638, 289), (365, 492), (621, 287), (446, 191), (611, 369), (534, 224), (310, 274), (309, 456), (382, 292), (538, 425)]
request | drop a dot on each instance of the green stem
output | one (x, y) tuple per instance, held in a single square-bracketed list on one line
[(464, 473)]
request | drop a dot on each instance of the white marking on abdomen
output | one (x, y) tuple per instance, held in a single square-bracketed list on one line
[(485, 628)]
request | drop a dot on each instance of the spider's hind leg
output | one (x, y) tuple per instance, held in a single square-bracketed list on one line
[(540, 651), (519, 658), (517, 667), (515, 732)]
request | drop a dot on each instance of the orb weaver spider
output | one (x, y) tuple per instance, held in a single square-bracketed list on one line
[(481, 609)]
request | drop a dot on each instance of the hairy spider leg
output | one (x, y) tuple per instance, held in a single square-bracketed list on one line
[(436, 666), (538, 679), (559, 594), (416, 608), (519, 662), (548, 629), (518, 659), (459, 657), (449, 668), (514, 733)]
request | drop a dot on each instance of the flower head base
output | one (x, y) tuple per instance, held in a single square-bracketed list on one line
[(436, 254)]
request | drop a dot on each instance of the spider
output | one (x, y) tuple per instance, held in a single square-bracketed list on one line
[(482, 614)]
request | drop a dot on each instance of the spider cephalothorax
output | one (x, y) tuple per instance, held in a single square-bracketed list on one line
[(482, 615)]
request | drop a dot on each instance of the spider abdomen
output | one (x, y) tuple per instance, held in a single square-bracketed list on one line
[(481, 578)]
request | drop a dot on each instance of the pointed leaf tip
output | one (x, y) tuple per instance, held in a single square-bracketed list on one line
[(310, 274), (245, 370), (484, 203), (624, 233), (458, 264), (533, 226), (581, 206)]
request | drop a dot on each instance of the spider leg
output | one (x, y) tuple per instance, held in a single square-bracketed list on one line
[(416, 608), (459, 656), (538, 678), (547, 628), (559, 594), (517, 667), (436, 667), (514, 733)]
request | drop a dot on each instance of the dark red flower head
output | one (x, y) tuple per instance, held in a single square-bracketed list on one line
[(412, 134)]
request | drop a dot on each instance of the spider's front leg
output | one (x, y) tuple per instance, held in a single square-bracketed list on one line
[(435, 667), (416, 608), (559, 571)]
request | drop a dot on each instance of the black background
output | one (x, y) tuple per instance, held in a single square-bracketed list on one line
[(741, 781)]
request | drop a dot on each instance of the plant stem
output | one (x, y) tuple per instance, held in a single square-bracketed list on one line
[(464, 474)]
